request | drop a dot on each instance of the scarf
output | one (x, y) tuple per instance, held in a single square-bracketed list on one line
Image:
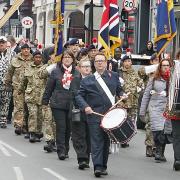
[(67, 77), (166, 75)]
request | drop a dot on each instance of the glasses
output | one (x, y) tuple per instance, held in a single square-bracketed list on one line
[(99, 61), (67, 57), (165, 65)]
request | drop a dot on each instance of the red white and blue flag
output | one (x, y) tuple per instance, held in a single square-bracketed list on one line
[(109, 33)]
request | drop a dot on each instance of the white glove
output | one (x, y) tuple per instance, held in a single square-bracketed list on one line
[(125, 96), (163, 93), (121, 81), (139, 89)]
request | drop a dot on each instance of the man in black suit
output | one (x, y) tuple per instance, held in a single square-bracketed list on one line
[(95, 96)]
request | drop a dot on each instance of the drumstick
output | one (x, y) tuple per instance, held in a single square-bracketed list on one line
[(119, 101), (98, 114)]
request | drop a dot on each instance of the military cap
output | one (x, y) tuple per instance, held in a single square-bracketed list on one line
[(25, 46), (154, 56), (74, 41), (126, 57), (37, 53), (91, 47)]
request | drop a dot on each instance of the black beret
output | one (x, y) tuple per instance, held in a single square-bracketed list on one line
[(25, 46), (74, 41), (154, 56), (126, 57), (92, 46), (37, 53), (66, 44)]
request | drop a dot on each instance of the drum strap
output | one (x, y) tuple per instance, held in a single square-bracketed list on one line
[(104, 87)]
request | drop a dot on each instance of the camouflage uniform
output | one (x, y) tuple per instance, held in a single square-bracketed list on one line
[(34, 88), (5, 95), (149, 136), (49, 124), (131, 84), (14, 75)]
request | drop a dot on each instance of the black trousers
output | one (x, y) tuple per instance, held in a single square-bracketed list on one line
[(81, 140), (63, 129), (99, 145), (176, 138)]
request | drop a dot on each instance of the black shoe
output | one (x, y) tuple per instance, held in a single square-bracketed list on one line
[(39, 135), (27, 136), (124, 145), (61, 155), (97, 173), (18, 131), (82, 165), (32, 137), (50, 146), (3, 125), (104, 172), (176, 166)]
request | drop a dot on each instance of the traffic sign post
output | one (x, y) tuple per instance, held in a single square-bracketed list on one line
[(128, 5)]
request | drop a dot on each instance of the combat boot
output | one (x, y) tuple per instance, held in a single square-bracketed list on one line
[(176, 165), (149, 151), (158, 154), (32, 137), (18, 130), (50, 146)]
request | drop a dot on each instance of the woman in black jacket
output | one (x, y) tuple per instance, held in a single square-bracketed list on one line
[(58, 94)]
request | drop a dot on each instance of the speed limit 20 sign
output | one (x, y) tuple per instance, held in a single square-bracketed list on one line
[(128, 5)]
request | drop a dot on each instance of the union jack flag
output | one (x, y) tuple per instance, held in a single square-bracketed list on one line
[(109, 34)]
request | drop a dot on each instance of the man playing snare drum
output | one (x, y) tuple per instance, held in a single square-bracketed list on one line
[(97, 94)]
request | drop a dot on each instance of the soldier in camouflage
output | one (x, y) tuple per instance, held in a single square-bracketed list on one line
[(133, 84), (150, 149), (13, 77), (33, 87), (49, 123)]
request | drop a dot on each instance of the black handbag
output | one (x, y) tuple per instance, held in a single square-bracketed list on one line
[(76, 115)]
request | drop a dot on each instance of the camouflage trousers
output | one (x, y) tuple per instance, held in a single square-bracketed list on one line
[(132, 115), (20, 110), (149, 136), (49, 124), (4, 105), (35, 118)]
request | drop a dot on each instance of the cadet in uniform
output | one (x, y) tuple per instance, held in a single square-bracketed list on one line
[(33, 87), (150, 147), (14, 75), (133, 84)]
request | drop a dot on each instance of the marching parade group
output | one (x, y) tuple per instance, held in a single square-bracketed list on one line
[(88, 98)]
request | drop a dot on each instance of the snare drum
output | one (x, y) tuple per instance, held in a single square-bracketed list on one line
[(118, 127)]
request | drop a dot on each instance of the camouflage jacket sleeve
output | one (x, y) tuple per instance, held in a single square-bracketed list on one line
[(9, 75), (43, 73), (141, 73), (23, 84), (140, 82)]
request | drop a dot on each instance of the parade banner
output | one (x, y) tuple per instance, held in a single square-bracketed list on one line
[(109, 34), (166, 25), (59, 29), (11, 11)]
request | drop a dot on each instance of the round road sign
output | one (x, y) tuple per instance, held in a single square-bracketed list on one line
[(128, 5), (27, 22)]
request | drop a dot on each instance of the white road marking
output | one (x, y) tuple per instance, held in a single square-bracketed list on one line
[(13, 149), (55, 174), (19, 175), (4, 150)]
